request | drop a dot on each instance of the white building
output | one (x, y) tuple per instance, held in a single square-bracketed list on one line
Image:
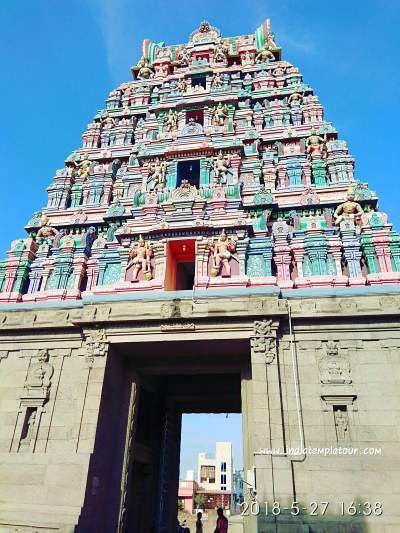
[(215, 473)]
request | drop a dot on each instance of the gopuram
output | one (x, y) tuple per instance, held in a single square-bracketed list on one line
[(208, 248)]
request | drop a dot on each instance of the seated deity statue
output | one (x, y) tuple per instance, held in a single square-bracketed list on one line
[(46, 233), (279, 71), (145, 72), (315, 145), (264, 56), (295, 99), (222, 251), (192, 128), (140, 256), (247, 58), (349, 209), (108, 123)]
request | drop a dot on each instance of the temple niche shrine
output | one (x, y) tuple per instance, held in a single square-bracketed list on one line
[(209, 247)]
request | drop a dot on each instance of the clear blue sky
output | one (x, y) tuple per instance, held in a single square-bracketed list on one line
[(59, 60)]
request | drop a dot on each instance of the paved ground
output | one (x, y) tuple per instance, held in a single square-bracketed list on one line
[(235, 523)]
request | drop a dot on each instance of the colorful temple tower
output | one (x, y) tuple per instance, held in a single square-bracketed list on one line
[(211, 211), (216, 149)]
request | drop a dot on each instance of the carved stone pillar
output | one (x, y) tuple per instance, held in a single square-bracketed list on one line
[(79, 266), (95, 344), (202, 257), (160, 260), (263, 342), (235, 164), (241, 249), (124, 255), (282, 176), (92, 272), (262, 418), (207, 117), (307, 173)]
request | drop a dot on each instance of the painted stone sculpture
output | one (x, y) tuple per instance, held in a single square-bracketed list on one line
[(140, 256), (349, 209), (220, 114), (222, 251), (46, 233)]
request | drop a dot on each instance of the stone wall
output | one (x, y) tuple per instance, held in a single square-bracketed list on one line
[(64, 366)]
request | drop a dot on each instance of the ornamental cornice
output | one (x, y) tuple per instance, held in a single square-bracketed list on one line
[(28, 321)]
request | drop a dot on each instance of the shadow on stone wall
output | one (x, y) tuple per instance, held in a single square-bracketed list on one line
[(100, 510), (336, 519)]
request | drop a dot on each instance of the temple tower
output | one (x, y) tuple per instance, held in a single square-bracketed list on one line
[(208, 248)]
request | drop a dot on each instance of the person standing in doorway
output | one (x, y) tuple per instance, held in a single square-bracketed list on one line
[(199, 523), (222, 522)]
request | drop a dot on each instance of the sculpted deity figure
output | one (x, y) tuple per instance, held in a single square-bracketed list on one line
[(140, 256), (181, 86), (220, 51), (184, 57), (40, 373), (145, 71), (184, 192), (295, 99), (221, 167), (171, 121), (222, 251), (217, 80), (192, 128), (46, 233), (157, 174), (315, 144), (219, 114), (83, 167), (342, 425), (70, 171), (349, 209), (279, 71), (29, 427), (264, 56), (108, 123), (247, 58)]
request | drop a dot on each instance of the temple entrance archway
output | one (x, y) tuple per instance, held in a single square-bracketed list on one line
[(150, 389)]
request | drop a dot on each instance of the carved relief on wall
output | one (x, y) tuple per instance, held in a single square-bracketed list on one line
[(38, 379), (341, 418), (176, 309), (95, 345), (334, 368), (263, 343), (36, 393)]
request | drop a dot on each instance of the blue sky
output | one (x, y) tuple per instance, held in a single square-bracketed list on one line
[(60, 59)]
